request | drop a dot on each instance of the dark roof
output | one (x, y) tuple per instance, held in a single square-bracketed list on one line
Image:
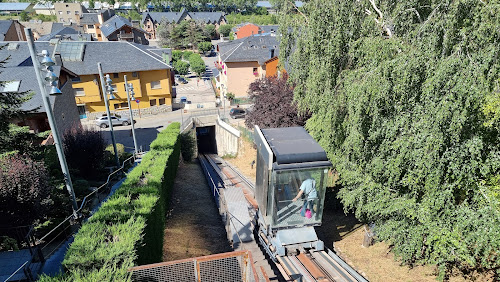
[(293, 145), (89, 18), (269, 28), (4, 28), (171, 17), (115, 23), (61, 32), (249, 49), (206, 17), (14, 6)]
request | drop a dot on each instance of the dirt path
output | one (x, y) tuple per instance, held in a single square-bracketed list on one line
[(193, 226)]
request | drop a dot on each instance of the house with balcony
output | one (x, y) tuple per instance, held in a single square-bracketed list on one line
[(150, 76), (91, 22), (242, 61), (120, 29)]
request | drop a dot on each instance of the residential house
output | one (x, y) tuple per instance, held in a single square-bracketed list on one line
[(249, 29), (242, 61), (91, 22), (151, 20), (41, 29), (44, 8), (273, 67), (120, 29), (151, 77), (11, 30), (13, 8), (20, 74), (69, 12)]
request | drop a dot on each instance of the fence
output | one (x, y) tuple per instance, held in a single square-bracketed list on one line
[(246, 133), (232, 266), (198, 113)]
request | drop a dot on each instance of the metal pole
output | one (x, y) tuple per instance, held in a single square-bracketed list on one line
[(182, 110), (131, 114), (52, 122), (105, 96)]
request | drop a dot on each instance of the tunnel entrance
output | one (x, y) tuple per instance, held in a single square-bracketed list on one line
[(205, 139)]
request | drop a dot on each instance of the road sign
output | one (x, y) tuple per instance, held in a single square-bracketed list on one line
[(137, 101)]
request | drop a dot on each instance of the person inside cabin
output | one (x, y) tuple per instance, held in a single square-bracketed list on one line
[(308, 188)]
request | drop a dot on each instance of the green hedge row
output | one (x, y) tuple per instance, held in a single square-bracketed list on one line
[(128, 228)]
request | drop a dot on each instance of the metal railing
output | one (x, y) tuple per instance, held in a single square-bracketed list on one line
[(188, 119), (232, 266), (52, 240)]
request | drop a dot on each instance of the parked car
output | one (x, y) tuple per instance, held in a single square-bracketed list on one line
[(182, 80), (103, 122), (237, 113)]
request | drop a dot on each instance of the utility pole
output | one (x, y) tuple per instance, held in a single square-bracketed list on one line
[(130, 111)]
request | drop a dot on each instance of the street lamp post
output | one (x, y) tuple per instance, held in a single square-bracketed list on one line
[(130, 91), (52, 78), (107, 88)]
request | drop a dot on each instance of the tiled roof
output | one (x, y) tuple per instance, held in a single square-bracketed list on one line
[(63, 31), (89, 18), (4, 27), (42, 28), (249, 49), (115, 23), (14, 6), (206, 17), (171, 17)]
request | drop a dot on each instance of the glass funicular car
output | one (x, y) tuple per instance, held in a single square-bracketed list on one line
[(292, 170)]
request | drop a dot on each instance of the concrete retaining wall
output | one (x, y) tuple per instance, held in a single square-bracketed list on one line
[(227, 138)]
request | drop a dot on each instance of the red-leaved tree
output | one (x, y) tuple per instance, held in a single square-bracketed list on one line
[(24, 190), (274, 105)]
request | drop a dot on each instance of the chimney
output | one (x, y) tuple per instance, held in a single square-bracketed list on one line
[(58, 59)]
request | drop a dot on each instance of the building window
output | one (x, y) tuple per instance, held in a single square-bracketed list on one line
[(152, 102), (77, 13), (114, 88), (11, 86), (60, 12), (79, 92), (155, 85), (161, 101), (115, 75), (134, 74), (61, 19), (123, 105), (68, 12), (117, 106), (76, 79), (90, 26), (255, 72)]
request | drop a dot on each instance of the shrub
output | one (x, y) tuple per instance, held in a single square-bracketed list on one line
[(128, 228), (24, 190), (181, 67), (225, 29), (186, 55), (81, 187), (84, 149), (204, 47), (176, 55), (187, 146)]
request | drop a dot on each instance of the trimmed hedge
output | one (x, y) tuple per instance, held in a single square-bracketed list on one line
[(128, 228)]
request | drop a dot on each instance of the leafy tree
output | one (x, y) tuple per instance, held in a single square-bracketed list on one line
[(193, 34), (204, 47), (24, 17), (91, 4), (176, 55), (209, 31), (197, 64), (225, 29), (181, 67), (268, 92), (397, 92), (24, 190), (84, 150)]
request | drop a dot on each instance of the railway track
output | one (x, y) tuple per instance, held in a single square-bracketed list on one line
[(303, 266)]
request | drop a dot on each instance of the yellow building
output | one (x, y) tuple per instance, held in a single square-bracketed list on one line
[(150, 76)]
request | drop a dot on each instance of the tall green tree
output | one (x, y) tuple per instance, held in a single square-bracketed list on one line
[(398, 92)]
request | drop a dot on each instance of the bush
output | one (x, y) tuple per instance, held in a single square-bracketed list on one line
[(181, 67), (84, 149), (24, 190), (128, 228), (186, 55), (187, 146), (225, 29), (204, 47), (81, 187), (176, 55)]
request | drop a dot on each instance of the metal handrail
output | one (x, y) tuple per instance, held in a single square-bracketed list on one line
[(15, 272), (84, 201)]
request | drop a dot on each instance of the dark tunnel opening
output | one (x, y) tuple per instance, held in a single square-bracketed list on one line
[(205, 138)]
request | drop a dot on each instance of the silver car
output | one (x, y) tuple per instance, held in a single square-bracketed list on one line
[(103, 122)]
